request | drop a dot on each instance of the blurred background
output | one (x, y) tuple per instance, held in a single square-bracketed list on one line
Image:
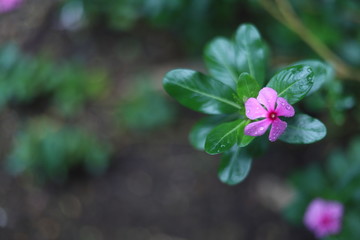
[(91, 147)]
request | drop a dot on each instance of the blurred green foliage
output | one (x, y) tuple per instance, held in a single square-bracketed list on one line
[(337, 24), (332, 99), (144, 109), (193, 21), (339, 180), (68, 86), (49, 150)]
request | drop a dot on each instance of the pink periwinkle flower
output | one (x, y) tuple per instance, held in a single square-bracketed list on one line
[(9, 5), (324, 217), (268, 107)]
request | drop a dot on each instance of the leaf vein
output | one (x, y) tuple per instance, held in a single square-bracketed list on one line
[(210, 96), (228, 133)]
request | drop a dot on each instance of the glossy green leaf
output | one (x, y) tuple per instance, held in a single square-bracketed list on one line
[(242, 139), (200, 131), (251, 55), (292, 83), (220, 59), (224, 136), (303, 129), (200, 92), (323, 72), (245, 140), (247, 87), (227, 59), (235, 166)]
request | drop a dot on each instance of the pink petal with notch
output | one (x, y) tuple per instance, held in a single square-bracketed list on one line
[(254, 110), (267, 97), (257, 128), (283, 108), (278, 127)]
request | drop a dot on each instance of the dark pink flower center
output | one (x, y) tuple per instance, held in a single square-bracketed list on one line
[(272, 115), (326, 220)]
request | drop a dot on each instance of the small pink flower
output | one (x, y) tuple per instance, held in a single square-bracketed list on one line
[(9, 5), (268, 107), (324, 217)]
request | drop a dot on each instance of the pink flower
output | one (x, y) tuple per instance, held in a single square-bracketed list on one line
[(8, 5), (324, 217), (268, 107)]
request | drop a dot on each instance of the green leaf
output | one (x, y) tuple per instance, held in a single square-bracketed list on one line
[(220, 60), (242, 139), (199, 92), (235, 166), (224, 136), (200, 131), (247, 87), (245, 140), (303, 129), (292, 83), (258, 146), (323, 72), (251, 52), (227, 59)]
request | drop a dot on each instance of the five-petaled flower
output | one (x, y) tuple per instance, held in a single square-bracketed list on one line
[(268, 107), (324, 217)]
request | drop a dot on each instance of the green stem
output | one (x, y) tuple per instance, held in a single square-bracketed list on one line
[(286, 15)]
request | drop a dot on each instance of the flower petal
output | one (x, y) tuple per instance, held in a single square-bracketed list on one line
[(283, 108), (319, 209), (257, 128), (278, 127), (254, 109), (335, 209), (267, 97), (313, 213)]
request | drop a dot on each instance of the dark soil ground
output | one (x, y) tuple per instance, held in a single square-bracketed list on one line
[(158, 187)]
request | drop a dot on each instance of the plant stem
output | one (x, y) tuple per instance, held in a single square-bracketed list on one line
[(285, 14)]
